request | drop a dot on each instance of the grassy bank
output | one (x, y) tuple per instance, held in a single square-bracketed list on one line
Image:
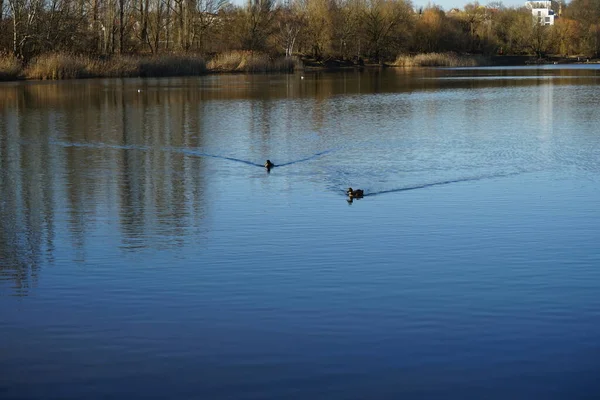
[(69, 66), (245, 61), (10, 68), (55, 66), (439, 60)]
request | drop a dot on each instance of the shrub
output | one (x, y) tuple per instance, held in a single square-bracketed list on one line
[(172, 65), (439, 60), (10, 67), (68, 66), (246, 61), (59, 66)]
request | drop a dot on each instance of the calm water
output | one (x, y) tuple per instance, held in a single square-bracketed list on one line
[(146, 254)]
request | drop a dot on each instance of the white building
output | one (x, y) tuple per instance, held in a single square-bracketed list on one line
[(541, 11)]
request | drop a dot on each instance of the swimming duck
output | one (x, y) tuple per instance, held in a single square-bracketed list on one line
[(269, 164), (358, 193)]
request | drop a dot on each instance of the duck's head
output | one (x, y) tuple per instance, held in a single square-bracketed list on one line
[(349, 191), (269, 164)]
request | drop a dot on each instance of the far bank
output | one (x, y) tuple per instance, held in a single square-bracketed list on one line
[(58, 66)]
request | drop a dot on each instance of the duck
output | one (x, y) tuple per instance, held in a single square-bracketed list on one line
[(358, 193), (269, 164)]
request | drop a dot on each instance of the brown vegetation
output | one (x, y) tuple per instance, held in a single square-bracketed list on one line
[(68, 66), (243, 35), (172, 65), (10, 67), (60, 66), (440, 60), (246, 61)]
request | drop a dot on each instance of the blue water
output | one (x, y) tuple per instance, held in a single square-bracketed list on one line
[(145, 252)]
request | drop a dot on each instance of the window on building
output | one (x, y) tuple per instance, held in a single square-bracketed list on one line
[(547, 19)]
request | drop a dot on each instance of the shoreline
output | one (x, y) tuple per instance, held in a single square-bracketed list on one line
[(189, 66)]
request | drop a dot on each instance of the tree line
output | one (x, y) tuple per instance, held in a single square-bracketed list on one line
[(377, 30)]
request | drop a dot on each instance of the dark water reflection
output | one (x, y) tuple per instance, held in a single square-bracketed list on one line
[(145, 252)]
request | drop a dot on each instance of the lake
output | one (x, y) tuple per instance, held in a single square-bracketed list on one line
[(146, 253)]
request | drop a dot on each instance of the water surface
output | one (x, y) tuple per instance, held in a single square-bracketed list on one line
[(146, 253)]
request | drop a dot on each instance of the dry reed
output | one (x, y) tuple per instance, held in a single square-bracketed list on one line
[(172, 65), (246, 61), (53, 66), (10, 67), (439, 60), (69, 66), (58, 66)]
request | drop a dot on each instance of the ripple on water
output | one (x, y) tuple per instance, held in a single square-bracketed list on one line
[(151, 254)]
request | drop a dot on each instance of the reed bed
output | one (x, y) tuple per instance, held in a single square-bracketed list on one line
[(439, 60), (55, 66), (10, 67), (115, 67), (58, 66), (246, 61), (69, 66), (151, 66), (172, 65)]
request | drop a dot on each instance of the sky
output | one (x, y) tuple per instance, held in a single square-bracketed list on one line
[(445, 4), (449, 4)]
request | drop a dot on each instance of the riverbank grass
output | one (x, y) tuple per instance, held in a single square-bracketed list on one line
[(10, 67), (439, 60), (171, 65), (59, 66), (69, 66), (246, 61)]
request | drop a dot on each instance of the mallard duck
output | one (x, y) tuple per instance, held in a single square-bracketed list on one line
[(269, 164), (357, 194)]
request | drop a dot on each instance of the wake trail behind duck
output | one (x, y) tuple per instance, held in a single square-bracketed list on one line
[(191, 152), (184, 151), (316, 155), (100, 145), (447, 182), (203, 154)]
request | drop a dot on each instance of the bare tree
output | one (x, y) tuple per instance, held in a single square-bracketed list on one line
[(181, 9), (123, 4), (168, 23), (256, 23), (290, 22), (144, 12), (319, 26), (95, 25), (587, 14), (205, 18), (473, 17), (24, 17), (346, 26), (156, 24), (386, 22)]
